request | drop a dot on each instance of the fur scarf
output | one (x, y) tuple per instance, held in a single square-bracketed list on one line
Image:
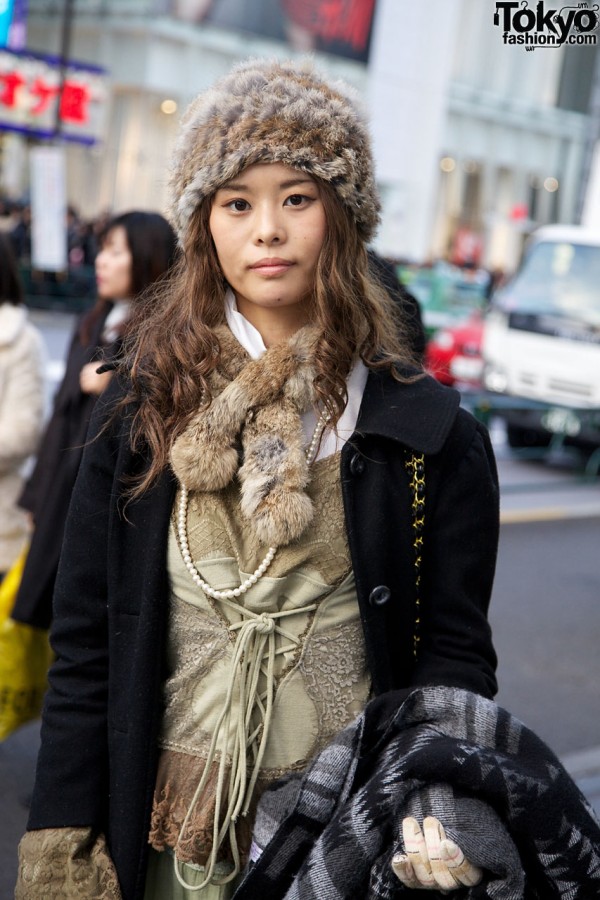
[(256, 407)]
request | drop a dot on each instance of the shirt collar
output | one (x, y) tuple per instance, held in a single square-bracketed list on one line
[(243, 331)]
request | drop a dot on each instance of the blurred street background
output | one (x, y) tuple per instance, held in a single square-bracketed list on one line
[(486, 122)]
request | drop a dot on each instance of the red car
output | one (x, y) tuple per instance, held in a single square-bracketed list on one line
[(453, 354)]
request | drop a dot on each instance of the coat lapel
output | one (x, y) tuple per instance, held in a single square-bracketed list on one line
[(419, 414)]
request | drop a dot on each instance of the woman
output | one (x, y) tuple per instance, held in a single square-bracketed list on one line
[(137, 248), (243, 563), (21, 403)]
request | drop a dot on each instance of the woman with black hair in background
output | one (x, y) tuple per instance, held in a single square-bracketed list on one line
[(136, 249)]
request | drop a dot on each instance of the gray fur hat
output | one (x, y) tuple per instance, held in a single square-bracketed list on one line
[(274, 111)]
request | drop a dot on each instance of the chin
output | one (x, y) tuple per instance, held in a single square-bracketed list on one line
[(273, 302), (280, 299)]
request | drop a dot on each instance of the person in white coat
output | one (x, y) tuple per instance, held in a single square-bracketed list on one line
[(21, 404)]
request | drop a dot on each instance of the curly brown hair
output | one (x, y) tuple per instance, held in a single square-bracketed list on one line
[(172, 348)]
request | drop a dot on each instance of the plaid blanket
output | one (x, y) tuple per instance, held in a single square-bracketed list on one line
[(499, 790)]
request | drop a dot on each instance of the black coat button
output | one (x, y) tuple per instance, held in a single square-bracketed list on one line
[(380, 595), (357, 464)]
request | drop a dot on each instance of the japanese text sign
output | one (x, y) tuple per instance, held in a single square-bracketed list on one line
[(34, 96)]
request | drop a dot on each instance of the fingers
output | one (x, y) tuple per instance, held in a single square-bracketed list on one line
[(416, 851), (462, 870), (434, 835), (403, 870), (89, 380), (432, 861)]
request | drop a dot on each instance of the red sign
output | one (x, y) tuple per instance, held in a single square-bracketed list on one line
[(341, 27), (34, 95), (334, 21)]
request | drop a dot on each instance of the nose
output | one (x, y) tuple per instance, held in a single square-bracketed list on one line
[(269, 225)]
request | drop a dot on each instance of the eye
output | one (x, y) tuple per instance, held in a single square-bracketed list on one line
[(238, 205), (297, 200)]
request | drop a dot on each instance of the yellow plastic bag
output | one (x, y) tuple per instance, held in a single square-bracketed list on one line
[(24, 659)]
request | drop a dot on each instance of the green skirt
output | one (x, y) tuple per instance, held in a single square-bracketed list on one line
[(162, 883)]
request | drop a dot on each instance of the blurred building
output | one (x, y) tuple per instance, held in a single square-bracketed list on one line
[(476, 141), (514, 138)]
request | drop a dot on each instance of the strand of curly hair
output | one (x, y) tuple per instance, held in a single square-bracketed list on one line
[(172, 348)]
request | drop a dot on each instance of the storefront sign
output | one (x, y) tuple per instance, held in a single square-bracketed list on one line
[(341, 27), (38, 99)]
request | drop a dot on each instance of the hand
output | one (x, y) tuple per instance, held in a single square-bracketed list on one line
[(432, 861), (89, 380)]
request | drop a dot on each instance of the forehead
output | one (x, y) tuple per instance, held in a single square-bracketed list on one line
[(268, 175), (116, 237)]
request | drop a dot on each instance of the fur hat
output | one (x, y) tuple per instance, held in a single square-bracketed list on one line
[(273, 111)]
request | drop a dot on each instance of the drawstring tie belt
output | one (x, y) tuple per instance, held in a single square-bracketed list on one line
[(254, 654)]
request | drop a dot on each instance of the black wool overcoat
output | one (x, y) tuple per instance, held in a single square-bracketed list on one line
[(98, 757)]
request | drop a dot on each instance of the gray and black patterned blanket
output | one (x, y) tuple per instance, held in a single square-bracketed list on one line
[(499, 790)]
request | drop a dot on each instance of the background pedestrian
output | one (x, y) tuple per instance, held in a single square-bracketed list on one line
[(137, 248), (21, 403)]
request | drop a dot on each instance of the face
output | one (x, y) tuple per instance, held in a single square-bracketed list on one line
[(268, 226), (113, 266)]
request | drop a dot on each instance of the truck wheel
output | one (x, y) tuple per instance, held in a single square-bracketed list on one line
[(526, 437)]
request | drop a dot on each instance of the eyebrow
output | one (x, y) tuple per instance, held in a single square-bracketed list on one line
[(284, 185)]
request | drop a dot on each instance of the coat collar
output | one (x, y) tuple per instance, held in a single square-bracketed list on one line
[(419, 414)]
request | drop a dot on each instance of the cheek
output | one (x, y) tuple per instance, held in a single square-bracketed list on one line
[(217, 226), (122, 278), (224, 259), (318, 233), (222, 244), (316, 241)]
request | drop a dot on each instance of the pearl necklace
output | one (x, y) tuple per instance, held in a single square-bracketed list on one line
[(311, 452)]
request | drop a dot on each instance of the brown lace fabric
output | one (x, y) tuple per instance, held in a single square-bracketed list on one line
[(176, 782), (65, 864)]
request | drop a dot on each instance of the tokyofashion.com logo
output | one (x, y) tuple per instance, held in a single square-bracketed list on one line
[(546, 27)]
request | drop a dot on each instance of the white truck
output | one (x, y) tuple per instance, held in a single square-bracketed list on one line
[(541, 341)]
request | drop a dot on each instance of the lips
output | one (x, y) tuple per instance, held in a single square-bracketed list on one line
[(271, 265)]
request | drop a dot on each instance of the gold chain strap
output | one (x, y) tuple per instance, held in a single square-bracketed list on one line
[(415, 466)]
